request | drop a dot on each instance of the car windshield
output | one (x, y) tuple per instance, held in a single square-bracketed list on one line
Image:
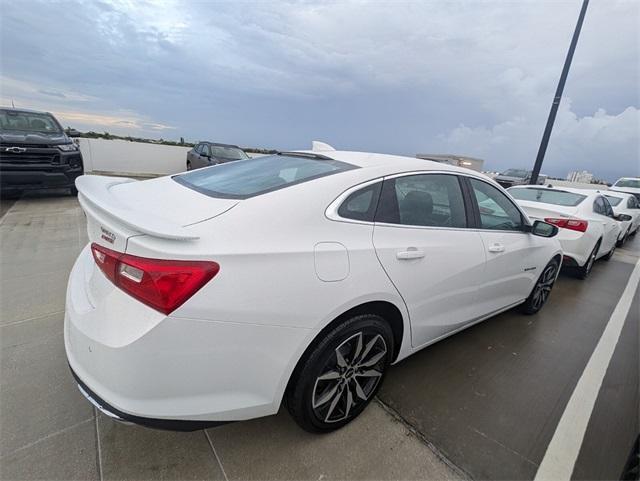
[(240, 180), (613, 200), (515, 173), (28, 122), (548, 196), (634, 183), (230, 153)]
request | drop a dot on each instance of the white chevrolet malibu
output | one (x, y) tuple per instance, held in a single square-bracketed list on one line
[(215, 295), (589, 228)]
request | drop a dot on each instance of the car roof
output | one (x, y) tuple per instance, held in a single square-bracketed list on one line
[(558, 187), (388, 164), (615, 193), (218, 144), (26, 111)]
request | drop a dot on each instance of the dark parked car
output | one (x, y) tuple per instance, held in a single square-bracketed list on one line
[(205, 154), (35, 153), (511, 177)]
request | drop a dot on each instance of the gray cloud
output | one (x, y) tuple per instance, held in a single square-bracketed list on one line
[(473, 78)]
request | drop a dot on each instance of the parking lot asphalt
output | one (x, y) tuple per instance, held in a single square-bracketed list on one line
[(482, 404)]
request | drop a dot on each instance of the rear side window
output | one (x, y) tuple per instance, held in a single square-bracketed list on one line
[(361, 205), (422, 200), (547, 196), (251, 177)]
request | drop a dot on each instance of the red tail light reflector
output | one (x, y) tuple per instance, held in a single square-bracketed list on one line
[(161, 284), (572, 224)]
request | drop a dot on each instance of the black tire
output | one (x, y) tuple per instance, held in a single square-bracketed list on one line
[(583, 272), (74, 191), (188, 165), (542, 289), (610, 253), (625, 237), (326, 392)]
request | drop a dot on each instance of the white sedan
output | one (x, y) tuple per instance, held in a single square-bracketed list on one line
[(622, 203), (628, 185), (589, 228), (213, 295)]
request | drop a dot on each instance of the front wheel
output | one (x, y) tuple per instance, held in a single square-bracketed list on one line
[(542, 289), (338, 378)]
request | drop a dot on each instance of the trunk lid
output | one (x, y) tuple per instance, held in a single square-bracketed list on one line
[(540, 211), (118, 208)]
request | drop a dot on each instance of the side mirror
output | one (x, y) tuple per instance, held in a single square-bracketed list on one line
[(622, 217), (544, 229)]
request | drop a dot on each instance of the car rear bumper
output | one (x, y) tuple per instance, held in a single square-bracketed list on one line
[(141, 366), (122, 417)]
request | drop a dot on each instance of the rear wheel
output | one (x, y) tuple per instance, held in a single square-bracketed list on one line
[(542, 289), (624, 239), (73, 191), (610, 253), (584, 271), (188, 165), (340, 375)]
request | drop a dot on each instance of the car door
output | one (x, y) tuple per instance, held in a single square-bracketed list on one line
[(423, 242), (604, 215), (515, 257)]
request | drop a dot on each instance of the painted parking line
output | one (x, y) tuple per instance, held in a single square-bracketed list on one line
[(562, 452)]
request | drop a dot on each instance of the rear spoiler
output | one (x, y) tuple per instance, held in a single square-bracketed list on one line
[(93, 194)]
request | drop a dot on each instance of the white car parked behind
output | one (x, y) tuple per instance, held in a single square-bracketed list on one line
[(212, 295), (625, 204), (589, 228), (628, 185)]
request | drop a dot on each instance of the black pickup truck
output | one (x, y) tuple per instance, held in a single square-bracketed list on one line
[(35, 153)]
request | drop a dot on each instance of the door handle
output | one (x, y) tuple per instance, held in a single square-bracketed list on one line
[(410, 253), (496, 248)]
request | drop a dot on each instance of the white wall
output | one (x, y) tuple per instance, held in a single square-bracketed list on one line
[(124, 157)]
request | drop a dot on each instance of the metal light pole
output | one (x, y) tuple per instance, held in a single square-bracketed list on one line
[(558, 97)]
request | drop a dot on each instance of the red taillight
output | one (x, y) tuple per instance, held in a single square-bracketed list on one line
[(162, 284), (572, 224)]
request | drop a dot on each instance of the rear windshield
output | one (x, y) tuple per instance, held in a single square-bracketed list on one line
[(613, 200), (548, 196), (251, 177), (635, 183), (28, 121)]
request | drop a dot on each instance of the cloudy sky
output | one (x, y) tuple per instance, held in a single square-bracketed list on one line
[(471, 77)]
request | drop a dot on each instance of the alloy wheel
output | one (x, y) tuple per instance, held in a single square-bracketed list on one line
[(349, 377), (544, 286)]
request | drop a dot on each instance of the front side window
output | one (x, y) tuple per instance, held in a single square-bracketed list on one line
[(598, 206), (251, 177), (608, 211), (433, 200), (497, 212), (632, 203), (361, 205)]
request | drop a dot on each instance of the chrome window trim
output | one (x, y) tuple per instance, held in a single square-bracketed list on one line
[(331, 211)]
